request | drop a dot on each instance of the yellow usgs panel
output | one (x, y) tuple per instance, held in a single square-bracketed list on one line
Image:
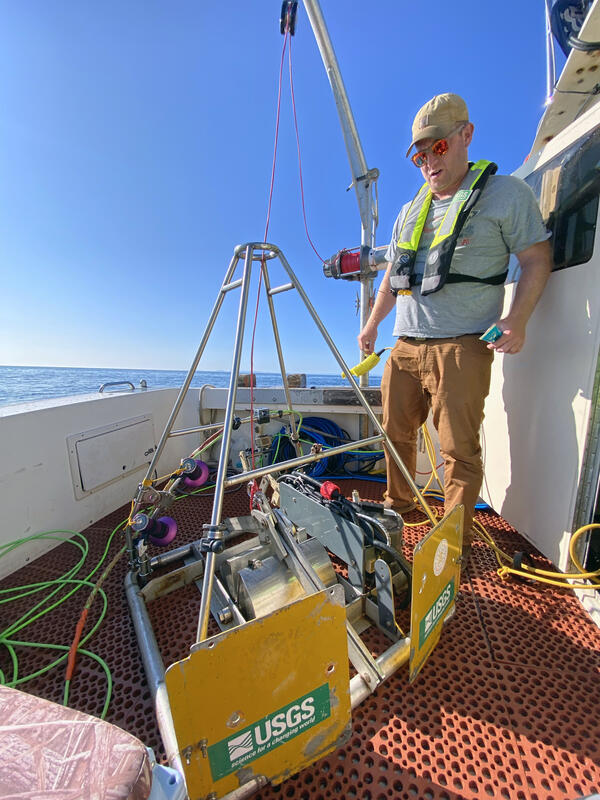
[(267, 698), (435, 580)]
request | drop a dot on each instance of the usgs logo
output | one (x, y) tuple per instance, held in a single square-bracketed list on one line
[(437, 610), (278, 725), (270, 732)]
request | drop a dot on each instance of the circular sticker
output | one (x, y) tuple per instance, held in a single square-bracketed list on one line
[(441, 556)]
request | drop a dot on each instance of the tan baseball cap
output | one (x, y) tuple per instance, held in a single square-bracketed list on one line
[(438, 118)]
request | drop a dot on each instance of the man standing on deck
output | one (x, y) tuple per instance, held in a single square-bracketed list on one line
[(447, 262)]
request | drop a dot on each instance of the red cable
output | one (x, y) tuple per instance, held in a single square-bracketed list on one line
[(428, 472), (285, 40), (299, 157)]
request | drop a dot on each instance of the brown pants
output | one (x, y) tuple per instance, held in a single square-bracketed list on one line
[(452, 378)]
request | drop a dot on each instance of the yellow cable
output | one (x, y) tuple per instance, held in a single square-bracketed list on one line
[(164, 477), (573, 554), (530, 574), (429, 446), (549, 577), (426, 508)]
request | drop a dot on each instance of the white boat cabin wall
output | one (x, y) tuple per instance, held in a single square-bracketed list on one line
[(542, 425)]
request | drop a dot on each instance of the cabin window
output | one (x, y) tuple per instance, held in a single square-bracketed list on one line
[(568, 189)]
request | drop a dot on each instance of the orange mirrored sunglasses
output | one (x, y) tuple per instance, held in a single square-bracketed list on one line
[(438, 148)]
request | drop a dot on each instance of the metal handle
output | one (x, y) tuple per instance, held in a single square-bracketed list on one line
[(117, 383)]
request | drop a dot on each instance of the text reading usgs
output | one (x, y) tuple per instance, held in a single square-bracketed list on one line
[(269, 732)]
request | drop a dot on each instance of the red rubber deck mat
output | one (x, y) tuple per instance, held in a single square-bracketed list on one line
[(506, 707)]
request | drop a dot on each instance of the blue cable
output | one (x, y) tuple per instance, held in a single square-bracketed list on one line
[(327, 433), (325, 429)]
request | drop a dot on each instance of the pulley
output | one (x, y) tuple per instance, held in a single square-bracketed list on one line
[(161, 531), (195, 473), (287, 20)]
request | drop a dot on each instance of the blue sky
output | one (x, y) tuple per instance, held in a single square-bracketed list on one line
[(136, 141)]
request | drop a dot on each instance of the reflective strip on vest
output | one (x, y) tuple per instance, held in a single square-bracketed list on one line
[(414, 222), (437, 264)]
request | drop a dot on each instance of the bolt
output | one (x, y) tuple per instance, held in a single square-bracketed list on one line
[(225, 615)]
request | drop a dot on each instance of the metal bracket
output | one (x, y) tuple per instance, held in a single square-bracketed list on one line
[(385, 598), (368, 177)]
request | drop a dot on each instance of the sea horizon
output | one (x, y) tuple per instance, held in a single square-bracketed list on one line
[(27, 383)]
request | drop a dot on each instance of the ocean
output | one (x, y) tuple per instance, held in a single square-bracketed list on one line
[(24, 384)]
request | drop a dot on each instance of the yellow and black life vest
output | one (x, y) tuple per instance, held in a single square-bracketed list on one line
[(437, 265)]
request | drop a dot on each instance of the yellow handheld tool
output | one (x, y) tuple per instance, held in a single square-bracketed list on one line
[(367, 364)]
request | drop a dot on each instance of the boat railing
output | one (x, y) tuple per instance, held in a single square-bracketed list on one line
[(119, 383)]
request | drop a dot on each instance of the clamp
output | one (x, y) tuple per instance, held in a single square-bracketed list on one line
[(213, 542)]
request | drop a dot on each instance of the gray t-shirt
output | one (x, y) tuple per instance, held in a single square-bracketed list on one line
[(506, 219)]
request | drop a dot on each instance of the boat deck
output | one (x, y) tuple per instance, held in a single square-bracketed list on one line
[(506, 707)]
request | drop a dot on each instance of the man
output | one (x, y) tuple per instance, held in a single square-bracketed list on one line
[(447, 262)]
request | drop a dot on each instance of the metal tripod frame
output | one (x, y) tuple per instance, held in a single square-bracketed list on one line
[(261, 252)]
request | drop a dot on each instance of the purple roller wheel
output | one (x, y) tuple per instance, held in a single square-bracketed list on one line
[(163, 531), (198, 477)]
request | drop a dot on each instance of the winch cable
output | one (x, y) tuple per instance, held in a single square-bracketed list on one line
[(287, 40), (299, 155), (260, 280)]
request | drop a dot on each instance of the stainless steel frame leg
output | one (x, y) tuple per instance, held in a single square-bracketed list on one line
[(209, 572), (154, 670), (192, 371)]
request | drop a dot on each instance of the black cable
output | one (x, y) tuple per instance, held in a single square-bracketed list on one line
[(347, 510)]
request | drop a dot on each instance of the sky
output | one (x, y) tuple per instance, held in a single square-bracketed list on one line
[(136, 147)]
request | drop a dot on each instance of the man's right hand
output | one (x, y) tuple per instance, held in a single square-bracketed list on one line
[(367, 338)]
